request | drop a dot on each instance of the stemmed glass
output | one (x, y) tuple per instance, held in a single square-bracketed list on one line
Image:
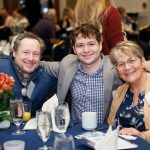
[(62, 116), (44, 128), (16, 110)]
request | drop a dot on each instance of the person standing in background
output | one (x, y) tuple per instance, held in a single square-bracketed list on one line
[(130, 27), (67, 21), (101, 13), (20, 22), (7, 17), (46, 29)]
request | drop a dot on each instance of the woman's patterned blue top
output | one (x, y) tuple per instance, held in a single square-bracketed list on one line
[(129, 115)]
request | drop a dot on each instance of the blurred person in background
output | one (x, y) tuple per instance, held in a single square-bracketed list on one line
[(1, 21), (129, 25), (7, 17), (132, 33), (5, 32), (67, 21), (20, 22), (46, 29), (101, 13)]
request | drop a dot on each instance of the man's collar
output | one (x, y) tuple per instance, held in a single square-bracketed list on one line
[(23, 77), (80, 66)]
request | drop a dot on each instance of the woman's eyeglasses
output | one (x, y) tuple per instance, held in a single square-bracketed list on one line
[(122, 65)]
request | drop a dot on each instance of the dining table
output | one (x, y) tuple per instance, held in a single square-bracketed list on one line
[(33, 141)]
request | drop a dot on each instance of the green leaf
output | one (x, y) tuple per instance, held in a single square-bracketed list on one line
[(4, 116)]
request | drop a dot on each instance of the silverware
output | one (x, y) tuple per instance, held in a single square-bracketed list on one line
[(73, 123), (100, 129), (0, 146)]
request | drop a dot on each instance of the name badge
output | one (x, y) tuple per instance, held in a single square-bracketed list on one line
[(30, 89)]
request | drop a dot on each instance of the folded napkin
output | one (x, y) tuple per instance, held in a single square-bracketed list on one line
[(48, 106), (109, 141), (31, 124)]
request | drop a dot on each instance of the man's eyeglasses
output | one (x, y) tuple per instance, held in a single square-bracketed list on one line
[(122, 65)]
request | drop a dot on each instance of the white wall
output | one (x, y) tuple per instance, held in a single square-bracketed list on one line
[(1, 4), (136, 6), (62, 5), (131, 5), (148, 12)]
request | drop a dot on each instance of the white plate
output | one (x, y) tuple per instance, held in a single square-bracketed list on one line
[(91, 138), (4, 124), (128, 137)]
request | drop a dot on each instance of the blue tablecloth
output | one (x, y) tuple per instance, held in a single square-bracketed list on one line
[(32, 140)]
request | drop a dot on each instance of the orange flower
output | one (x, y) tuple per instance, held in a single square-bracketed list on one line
[(6, 82), (2, 78), (1, 90)]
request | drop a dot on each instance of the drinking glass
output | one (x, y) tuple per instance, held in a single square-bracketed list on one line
[(62, 116), (16, 110), (14, 145), (64, 142), (27, 111), (44, 128)]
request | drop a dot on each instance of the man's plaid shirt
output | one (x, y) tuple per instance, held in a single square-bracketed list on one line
[(87, 92)]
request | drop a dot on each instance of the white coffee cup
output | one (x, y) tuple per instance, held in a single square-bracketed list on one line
[(89, 120), (14, 145)]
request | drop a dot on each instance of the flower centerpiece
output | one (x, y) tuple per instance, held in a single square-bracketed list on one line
[(6, 84)]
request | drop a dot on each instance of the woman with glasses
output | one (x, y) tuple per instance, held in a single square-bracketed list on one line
[(131, 104)]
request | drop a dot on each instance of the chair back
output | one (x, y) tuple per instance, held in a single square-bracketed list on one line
[(4, 33), (61, 49), (144, 34)]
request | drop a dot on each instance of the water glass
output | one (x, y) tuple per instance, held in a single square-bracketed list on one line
[(14, 145), (64, 142), (62, 116), (44, 128), (17, 111)]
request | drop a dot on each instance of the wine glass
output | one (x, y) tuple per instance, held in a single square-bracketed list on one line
[(62, 116), (44, 128), (64, 142), (16, 110)]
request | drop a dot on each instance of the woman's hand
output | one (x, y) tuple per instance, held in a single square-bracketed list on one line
[(129, 131), (132, 131)]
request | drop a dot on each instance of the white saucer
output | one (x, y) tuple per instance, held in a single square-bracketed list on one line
[(4, 124), (128, 137)]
